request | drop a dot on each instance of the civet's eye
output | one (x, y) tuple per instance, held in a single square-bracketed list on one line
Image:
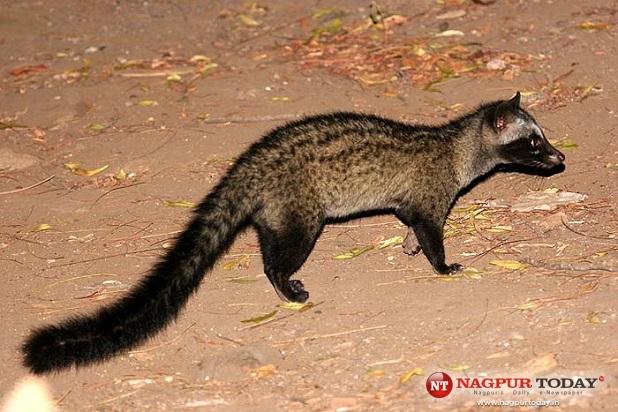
[(535, 141)]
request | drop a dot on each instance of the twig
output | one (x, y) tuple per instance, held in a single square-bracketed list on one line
[(115, 398), (112, 190), (586, 235), (234, 341), (63, 397), (175, 232), (575, 266), (105, 257), (23, 189), (480, 255), (482, 320), (169, 342), (331, 335), (253, 119), (157, 74), (12, 260)]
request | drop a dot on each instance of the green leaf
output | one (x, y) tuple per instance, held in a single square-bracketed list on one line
[(260, 318), (179, 203), (357, 251)]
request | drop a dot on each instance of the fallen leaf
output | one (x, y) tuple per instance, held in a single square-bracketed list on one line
[(593, 26), (242, 261), (374, 373), (332, 26), (414, 372), (9, 125), (393, 241), (509, 264), (264, 371), (197, 58), (147, 103), (248, 20), (76, 169), (22, 70), (42, 227), (498, 355), (121, 175), (472, 273), (593, 317), (173, 77), (179, 203), (532, 305), (243, 280), (260, 318), (207, 69), (296, 306), (96, 127), (450, 33), (357, 251), (565, 144)]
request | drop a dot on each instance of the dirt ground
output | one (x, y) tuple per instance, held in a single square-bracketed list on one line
[(166, 94)]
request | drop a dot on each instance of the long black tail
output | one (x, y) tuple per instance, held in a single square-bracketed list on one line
[(155, 301)]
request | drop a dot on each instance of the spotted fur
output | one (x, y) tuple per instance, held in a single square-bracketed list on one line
[(288, 186)]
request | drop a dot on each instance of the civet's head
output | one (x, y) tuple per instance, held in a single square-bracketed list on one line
[(518, 139)]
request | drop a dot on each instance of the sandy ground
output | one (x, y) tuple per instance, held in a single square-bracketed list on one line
[(132, 86)]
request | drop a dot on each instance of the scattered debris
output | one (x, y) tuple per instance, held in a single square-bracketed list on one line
[(548, 199)]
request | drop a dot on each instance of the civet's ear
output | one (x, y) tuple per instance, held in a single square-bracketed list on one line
[(504, 114), (515, 100)]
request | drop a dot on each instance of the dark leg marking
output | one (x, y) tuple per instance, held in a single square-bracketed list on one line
[(283, 253)]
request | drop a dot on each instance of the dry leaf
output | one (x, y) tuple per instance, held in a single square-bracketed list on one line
[(76, 169), (174, 77), (374, 373), (472, 273), (532, 305), (264, 371), (42, 227), (260, 318), (414, 372), (198, 58), (393, 241), (207, 69), (509, 264), (450, 33), (248, 20), (500, 229), (565, 144), (20, 71), (147, 103), (179, 203), (593, 317), (241, 262), (357, 251), (243, 280), (96, 127), (498, 355), (593, 26), (296, 306), (121, 175)]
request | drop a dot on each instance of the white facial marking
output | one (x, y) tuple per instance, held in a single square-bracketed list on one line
[(510, 133)]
